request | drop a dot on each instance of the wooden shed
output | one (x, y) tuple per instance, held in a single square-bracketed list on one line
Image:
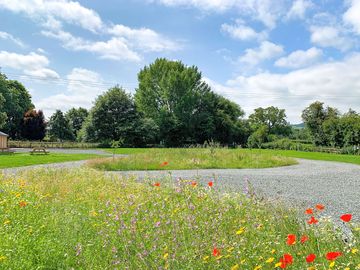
[(3, 141)]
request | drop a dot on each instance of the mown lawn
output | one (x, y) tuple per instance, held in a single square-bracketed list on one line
[(25, 159), (83, 219), (192, 158)]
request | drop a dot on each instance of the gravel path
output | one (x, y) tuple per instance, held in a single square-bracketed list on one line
[(334, 184)]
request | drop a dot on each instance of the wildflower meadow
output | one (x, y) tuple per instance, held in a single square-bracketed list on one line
[(85, 219)]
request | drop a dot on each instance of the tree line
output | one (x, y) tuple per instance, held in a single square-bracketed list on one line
[(172, 106)]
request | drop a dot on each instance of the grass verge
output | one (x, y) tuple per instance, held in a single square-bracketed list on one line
[(83, 219), (25, 159), (193, 158), (355, 159)]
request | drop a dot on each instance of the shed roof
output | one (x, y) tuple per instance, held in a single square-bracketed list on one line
[(3, 134)]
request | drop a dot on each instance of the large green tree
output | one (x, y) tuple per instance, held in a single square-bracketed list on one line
[(314, 117), (3, 115), (33, 125), (114, 117), (17, 101), (59, 127), (76, 118), (176, 97)]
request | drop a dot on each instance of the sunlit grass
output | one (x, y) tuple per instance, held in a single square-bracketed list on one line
[(83, 219), (193, 158), (25, 159)]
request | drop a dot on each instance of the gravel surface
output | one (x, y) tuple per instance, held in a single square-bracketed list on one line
[(334, 184)]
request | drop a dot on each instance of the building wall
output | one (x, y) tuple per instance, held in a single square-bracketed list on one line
[(3, 142)]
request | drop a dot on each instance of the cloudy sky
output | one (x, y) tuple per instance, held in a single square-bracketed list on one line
[(286, 53)]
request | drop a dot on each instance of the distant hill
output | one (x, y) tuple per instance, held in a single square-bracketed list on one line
[(299, 126)]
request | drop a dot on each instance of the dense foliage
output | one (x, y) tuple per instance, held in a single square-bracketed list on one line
[(183, 106), (59, 127), (15, 100), (33, 125)]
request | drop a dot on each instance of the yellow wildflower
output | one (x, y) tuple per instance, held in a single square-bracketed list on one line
[(93, 213), (166, 255), (206, 258), (311, 268), (230, 249), (273, 251), (278, 264), (6, 222), (347, 268), (332, 264), (354, 250), (270, 260), (243, 261), (240, 231), (235, 267), (258, 267), (18, 195)]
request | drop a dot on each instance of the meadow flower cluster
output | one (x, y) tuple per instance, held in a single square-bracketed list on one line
[(84, 219)]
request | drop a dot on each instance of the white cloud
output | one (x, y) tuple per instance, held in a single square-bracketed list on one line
[(352, 15), (144, 39), (335, 83), (266, 11), (115, 48), (298, 9), (83, 86), (300, 58), (45, 10), (242, 32), (31, 64), (330, 36), (265, 51), (7, 36)]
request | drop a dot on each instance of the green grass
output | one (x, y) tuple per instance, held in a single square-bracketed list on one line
[(127, 151), (83, 219), (25, 159), (355, 159), (192, 158)]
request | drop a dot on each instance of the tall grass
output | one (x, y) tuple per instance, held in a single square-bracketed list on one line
[(83, 219), (193, 158)]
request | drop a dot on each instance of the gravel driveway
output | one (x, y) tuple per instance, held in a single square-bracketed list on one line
[(334, 184)]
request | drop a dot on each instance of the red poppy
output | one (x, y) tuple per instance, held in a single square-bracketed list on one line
[(193, 183), (157, 184), (165, 163), (331, 256), (346, 217), (312, 220), (309, 211), (291, 239), (320, 207), (310, 258), (22, 204), (210, 184), (286, 260), (303, 239), (216, 252)]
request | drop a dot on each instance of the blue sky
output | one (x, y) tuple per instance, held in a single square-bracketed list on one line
[(286, 53)]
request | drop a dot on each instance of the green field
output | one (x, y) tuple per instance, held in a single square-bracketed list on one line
[(83, 219), (191, 158), (355, 159), (25, 159)]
